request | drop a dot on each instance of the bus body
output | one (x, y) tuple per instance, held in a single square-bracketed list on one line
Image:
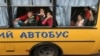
[(72, 41)]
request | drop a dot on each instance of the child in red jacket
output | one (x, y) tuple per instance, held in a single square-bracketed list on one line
[(48, 20), (26, 20)]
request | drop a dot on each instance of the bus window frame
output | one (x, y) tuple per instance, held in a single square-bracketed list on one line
[(84, 27), (11, 26)]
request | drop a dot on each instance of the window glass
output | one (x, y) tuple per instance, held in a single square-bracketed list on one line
[(31, 2), (32, 16), (32, 13), (3, 2), (3, 17), (3, 14), (77, 13)]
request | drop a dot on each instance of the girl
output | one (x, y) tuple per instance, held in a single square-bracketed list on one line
[(80, 21), (48, 20)]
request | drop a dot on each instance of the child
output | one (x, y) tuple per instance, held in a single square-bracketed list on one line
[(48, 20), (25, 20), (40, 17), (80, 21)]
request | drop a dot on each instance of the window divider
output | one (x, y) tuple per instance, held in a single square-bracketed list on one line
[(9, 8)]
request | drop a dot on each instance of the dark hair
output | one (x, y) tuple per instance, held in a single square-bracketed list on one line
[(49, 12), (88, 8), (81, 15), (30, 11), (42, 8)]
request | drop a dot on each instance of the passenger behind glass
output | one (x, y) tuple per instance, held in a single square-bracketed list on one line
[(40, 17), (26, 20), (48, 20), (72, 23), (89, 17), (30, 21), (80, 21)]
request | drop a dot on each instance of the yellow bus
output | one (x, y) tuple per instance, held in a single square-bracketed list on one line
[(49, 27)]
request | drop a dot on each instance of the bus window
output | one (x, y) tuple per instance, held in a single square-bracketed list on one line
[(76, 13), (83, 16), (3, 14), (32, 13), (33, 16)]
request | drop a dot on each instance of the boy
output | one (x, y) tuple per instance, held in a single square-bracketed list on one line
[(25, 20)]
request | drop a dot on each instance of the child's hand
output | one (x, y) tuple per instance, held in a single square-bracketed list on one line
[(42, 14), (16, 21), (26, 22)]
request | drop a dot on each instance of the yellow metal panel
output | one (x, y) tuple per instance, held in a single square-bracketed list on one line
[(2, 48), (97, 45), (74, 48), (74, 34), (9, 47)]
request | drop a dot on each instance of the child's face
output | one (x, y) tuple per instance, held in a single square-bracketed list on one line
[(48, 14), (42, 10), (86, 9), (79, 17), (30, 14)]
